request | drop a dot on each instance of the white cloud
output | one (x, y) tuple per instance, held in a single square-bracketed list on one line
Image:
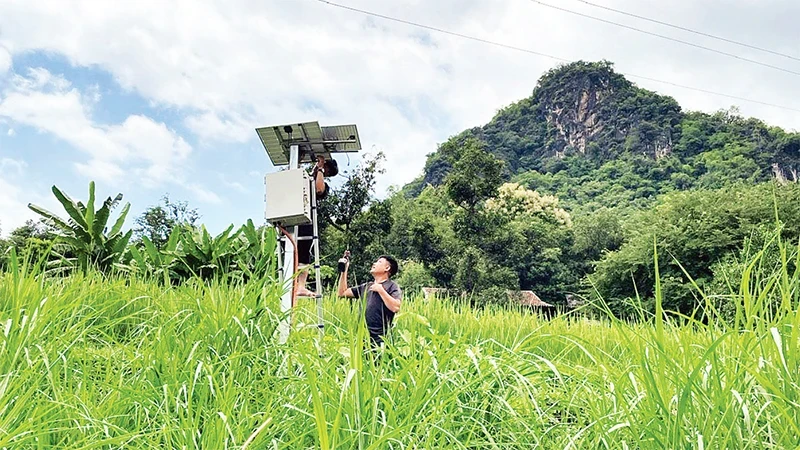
[(231, 68), (235, 185), (11, 132), (14, 199), (12, 166), (202, 194), (5, 60), (100, 170), (138, 150), (13, 211)]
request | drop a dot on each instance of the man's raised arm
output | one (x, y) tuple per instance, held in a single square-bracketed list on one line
[(343, 290)]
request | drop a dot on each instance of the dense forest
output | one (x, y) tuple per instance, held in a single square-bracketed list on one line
[(580, 191)]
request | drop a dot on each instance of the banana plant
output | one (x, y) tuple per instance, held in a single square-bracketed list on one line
[(84, 231), (155, 262), (204, 255), (257, 255)]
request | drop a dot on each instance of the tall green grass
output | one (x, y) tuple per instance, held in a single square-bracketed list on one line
[(91, 361)]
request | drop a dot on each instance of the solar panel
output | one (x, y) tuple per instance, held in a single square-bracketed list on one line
[(310, 138), (347, 135)]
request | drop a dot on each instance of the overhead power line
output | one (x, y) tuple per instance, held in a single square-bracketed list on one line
[(689, 30), (680, 41), (533, 52), (440, 30)]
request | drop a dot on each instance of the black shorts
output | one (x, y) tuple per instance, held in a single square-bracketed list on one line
[(304, 247)]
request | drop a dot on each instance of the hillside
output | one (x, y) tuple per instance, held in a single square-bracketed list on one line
[(593, 138)]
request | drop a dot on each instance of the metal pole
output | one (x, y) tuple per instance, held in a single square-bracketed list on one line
[(288, 264)]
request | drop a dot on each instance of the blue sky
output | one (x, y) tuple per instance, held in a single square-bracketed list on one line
[(223, 181), (149, 98)]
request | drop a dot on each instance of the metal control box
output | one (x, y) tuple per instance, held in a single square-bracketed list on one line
[(288, 197)]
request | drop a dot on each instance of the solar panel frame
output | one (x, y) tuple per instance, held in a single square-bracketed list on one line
[(310, 138), (347, 134), (272, 145)]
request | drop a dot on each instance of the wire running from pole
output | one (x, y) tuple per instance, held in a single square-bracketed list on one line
[(689, 30), (295, 266), (680, 41), (532, 52)]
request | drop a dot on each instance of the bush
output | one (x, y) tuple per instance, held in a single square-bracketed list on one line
[(413, 277), (693, 231)]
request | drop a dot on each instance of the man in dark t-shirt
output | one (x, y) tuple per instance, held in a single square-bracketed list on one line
[(383, 296)]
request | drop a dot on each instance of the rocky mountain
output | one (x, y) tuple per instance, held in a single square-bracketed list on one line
[(587, 134)]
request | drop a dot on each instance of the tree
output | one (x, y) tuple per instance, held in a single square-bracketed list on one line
[(475, 176), (422, 231), (693, 231), (531, 237), (21, 236), (351, 219), (157, 222), (32, 241), (597, 233), (85, 234), (344, 205)]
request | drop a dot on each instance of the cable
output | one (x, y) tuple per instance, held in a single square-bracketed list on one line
[(524, 50), (700, 33), (788, 108), (295, 265), (691, 44), (440, 30)]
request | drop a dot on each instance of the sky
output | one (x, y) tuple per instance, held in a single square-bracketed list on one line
[(150, 98)]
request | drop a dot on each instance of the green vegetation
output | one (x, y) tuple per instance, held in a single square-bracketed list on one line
[(101, 361), (84, 235)]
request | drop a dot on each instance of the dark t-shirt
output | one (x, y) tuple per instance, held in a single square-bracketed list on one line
[(378, 317), (323, 194)]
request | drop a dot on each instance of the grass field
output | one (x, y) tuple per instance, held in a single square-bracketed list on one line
[(95, 362)]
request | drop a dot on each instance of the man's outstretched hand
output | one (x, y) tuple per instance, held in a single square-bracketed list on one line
[(344, 262)]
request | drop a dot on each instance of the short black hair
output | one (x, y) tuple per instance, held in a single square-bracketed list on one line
[(331, 168), (392, 264)]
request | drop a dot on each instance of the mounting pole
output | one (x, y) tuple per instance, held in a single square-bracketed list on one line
[(288, 264)]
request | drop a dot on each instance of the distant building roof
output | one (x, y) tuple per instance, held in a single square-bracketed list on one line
[(527, 298)]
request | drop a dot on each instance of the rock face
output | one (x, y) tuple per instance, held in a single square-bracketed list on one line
[(584, 104), (579, 124), (785, 174)]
